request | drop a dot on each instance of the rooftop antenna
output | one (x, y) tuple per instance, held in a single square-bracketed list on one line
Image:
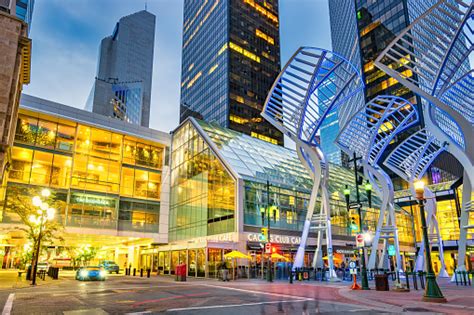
[(146, 6)]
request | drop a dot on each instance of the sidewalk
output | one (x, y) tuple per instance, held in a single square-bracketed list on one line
[(460, 299), (9, 280)]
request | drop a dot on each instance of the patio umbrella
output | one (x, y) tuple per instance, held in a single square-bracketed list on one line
[(237, 254), (278, 256)]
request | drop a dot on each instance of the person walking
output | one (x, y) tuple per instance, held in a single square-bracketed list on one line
[(224, 271)]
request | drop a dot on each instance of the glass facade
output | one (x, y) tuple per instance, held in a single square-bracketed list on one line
[(104, 179), (231, 56), (202, 190), (289, 186), (24, 11)]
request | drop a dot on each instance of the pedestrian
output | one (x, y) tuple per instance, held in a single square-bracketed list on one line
[(224, 271)]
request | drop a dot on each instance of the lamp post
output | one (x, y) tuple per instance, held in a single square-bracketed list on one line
[(432, 291), (44, 214)]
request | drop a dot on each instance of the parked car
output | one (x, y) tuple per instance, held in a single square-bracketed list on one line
[(110, 266), (91, 273), (42, 266)]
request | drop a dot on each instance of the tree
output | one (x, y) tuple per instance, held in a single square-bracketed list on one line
[(38, 222)]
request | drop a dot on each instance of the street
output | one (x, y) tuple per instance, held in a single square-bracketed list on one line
[(122, 295)]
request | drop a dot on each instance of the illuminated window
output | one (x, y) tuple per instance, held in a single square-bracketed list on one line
[(262, 11), (193, 80), (223, 48), (21, 161), (214, 67), (263, 137), (200, 24), (266, 37), (244, 52)]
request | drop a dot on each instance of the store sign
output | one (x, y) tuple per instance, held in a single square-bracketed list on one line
[(92, 200), (225, 237), (275, 238)]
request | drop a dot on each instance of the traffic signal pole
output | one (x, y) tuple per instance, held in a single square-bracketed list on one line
[(365, 281), (269, 270)]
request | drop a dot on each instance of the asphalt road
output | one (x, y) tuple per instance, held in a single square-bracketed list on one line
[(126, 295)]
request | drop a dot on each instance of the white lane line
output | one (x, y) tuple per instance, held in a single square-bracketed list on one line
[(260, 292), (87, 289), (230, 305), (9, 305)]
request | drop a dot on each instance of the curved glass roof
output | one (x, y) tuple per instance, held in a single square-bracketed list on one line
[(258, 161)]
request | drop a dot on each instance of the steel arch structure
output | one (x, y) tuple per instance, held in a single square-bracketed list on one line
[(431, 57), (367, 134), (313, 83), (410, 160)]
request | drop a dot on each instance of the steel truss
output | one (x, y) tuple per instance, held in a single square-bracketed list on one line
[(367, 134), (313, 83), (410, 160), (431, 57)]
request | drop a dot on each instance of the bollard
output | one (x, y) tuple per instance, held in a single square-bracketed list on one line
[(407, 280), (141, 272), (134, 272), (148, 271)]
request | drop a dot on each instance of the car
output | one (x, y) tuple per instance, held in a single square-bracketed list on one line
[(42, 266), (91, 273), (110, 266)]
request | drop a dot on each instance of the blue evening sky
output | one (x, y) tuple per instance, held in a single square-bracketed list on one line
[(66, 37)]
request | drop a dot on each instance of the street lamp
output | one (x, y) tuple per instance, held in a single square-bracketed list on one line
[(44, 214), (432, 291)]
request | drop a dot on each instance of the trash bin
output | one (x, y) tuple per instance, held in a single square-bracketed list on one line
[(381, 282), (181, 272)]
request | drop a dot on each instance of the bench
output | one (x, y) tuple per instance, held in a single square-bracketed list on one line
[(20, 272)]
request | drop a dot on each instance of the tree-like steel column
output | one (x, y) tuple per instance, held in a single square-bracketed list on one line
[(313, 83)]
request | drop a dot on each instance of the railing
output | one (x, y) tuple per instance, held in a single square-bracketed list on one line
[(138, 227)]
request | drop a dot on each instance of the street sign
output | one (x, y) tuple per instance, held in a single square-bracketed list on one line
[(391, 250), (268, 248), (360, 240), (352, 264), (353, 271), (355, 206)]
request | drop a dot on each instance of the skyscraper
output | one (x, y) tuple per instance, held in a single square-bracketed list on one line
[(360, 30), (122, 87), (231, 57), (22, 9)]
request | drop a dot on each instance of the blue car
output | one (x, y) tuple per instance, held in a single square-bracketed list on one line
[(110, 266), (91, 273)]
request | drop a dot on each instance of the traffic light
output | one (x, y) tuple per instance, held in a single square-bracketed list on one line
[(354, 224), (264, 235)]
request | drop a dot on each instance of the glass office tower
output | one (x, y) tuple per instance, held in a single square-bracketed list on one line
[(126, 64), (231, 57)]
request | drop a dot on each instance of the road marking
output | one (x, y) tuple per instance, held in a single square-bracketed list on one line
[(8, 305), (86, 290), (230, 305), (168, 298), (259, 292)]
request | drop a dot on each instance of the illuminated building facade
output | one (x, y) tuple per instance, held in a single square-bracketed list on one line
[(110, 178), (122, 88), (231, 57), (222, 182)]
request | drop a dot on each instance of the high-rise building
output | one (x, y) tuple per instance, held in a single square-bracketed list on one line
[(360, 31), (231, 57), (22, 9), (15, 49), (122, 87)]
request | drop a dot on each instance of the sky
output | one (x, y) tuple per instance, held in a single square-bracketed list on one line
[(66, 37)]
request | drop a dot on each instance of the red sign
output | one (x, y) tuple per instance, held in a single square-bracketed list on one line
[(360, 240), (268, 248)]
